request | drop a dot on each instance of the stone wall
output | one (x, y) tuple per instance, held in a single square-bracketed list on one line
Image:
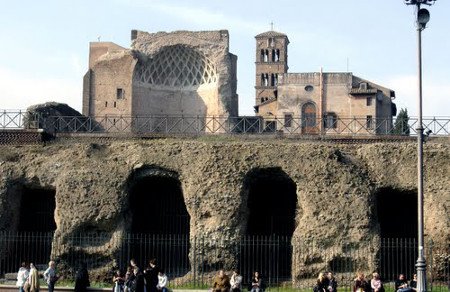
[(335, 185), (176, 73)]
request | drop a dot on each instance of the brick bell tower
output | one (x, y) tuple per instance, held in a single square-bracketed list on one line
[(271, 63)]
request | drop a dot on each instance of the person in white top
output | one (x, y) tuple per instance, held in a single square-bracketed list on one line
[(162, 281), (236, 281), (22, 276)]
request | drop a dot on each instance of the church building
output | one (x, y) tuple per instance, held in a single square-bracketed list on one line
[(315, 102)]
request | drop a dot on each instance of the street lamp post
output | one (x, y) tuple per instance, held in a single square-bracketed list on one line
[(423, 16)]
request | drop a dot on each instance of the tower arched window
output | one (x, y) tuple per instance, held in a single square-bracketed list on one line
[(277, 55), (261, 57), (266, 55), (273, 55)]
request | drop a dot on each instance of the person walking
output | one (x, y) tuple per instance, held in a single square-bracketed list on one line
[(50, 276), (33, 279), (82, 279), (22, 276)]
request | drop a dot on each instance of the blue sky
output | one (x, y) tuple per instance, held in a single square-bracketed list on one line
[(44, 44)]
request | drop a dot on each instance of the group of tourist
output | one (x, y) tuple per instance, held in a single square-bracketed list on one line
[(150, 279), (28, 278), (327, 283), (223, 283), (375, 284)]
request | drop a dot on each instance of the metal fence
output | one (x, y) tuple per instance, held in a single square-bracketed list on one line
[(363, 126), (190, 262)]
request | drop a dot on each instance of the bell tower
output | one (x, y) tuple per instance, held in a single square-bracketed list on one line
[(271, 63)]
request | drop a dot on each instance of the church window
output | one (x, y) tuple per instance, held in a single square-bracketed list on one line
[(309, 88), (330, 121), (369, 101), (277, 55), (272, 80), (288, 120), (266, 56), (369, 122), (266, 79), (261, 58), (119, 93), (273, 55)]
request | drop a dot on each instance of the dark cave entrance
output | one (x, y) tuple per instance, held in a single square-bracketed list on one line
[(37, 210), (396, 211), (159, 226), (271, 205)]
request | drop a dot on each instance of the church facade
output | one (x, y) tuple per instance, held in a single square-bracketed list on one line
[(316, 102)]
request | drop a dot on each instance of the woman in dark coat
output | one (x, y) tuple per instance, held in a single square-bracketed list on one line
[(82, 279)]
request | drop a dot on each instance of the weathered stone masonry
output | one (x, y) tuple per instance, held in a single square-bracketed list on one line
[(91, 182)]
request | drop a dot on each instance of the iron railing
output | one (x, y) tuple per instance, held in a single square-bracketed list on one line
[(363, 126), (190, 262)]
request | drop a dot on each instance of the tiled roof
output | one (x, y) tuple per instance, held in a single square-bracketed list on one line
[(271, 33)]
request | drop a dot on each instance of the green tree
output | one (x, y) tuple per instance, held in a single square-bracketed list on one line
[(401, 126)]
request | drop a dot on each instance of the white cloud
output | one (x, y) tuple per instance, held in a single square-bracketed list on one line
[(20, 91), (435, 94)]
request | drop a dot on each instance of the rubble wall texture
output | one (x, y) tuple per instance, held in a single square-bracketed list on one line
[(335, 184)]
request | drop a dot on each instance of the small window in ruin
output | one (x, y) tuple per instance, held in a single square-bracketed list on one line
[(288, 120), (369, 101), (119, 93), (106, 104), (262, 99), (115, 104), (363, 86), (369, 122)]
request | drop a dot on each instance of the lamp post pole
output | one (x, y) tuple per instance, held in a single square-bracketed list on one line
[(421, 263), (423, 16)]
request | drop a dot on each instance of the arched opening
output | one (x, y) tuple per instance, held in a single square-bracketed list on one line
[(32, 232), (309, 123), (396, 211), (159, 221), (271, 206)]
